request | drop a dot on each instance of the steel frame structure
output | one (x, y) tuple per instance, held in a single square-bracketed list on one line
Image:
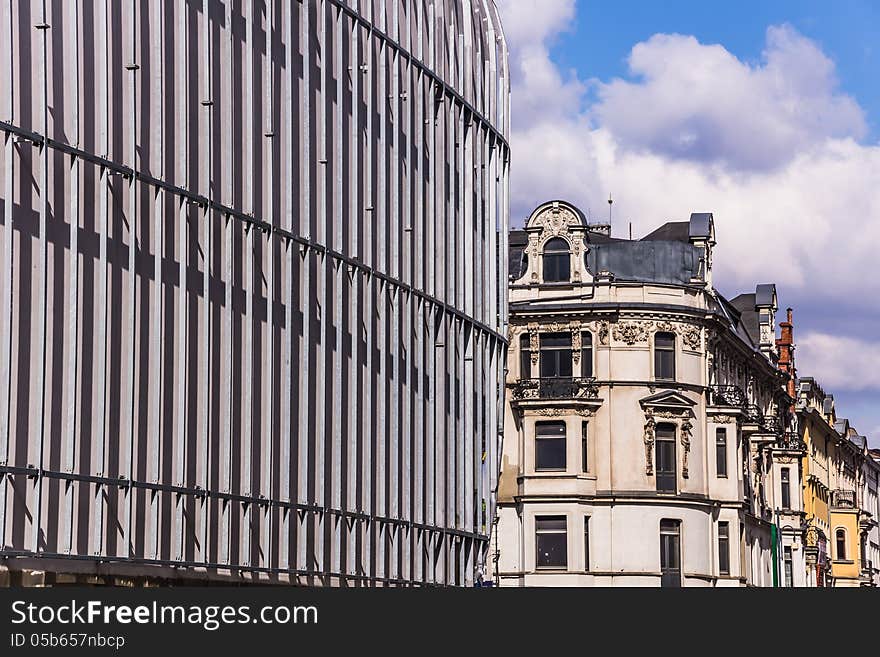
[(253, 288)]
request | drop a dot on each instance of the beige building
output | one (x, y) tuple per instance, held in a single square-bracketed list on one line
[(646, 428)]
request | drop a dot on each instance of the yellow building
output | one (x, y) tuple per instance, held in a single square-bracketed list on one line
[(837, 522)]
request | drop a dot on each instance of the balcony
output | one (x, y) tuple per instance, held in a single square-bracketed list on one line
[(555, 388), (726, 396), (791, 440), (843, 499)]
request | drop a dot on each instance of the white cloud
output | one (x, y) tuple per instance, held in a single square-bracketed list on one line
[(808, 222), (699, 102), (845, 363)]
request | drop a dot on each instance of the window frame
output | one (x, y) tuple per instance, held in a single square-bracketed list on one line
[(525, 356), (669, 574), (585, 446), (840, 534), (785, 487), (552, 252), (666, 434), (787, 567), (721, 470), (586, 354), (586, 544), (658, 351), (558, 354), (723, 547), (539, 438), (545, 531)]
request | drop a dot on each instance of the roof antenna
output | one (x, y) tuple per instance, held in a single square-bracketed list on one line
[(630, 231), (609, 207)]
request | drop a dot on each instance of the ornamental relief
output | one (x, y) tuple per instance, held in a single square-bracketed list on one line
[(575, 343), (601, 329), (686, 446), (691, 337), (559, 412), (723, 419), (650, 425), (534, 343), (630, 332), (555, 222)]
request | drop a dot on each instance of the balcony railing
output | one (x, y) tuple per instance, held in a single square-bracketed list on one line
[(555, 388), (843, 499), (791, 440), (726, 396)]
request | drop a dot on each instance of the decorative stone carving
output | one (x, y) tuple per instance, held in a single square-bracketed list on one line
[(723, 419), (630, 332), (650, 425), (666, 327), (558, 327), (602, 332), (686, 427), (534, 344), (556, 220), (691, 337), (558, 412), (575, 344), (673, 415)]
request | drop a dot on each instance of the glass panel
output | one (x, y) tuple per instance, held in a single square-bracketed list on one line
[(586, 353), (586, 542), (549, 340), (550, 454), (723, 549), (553, 429), (666, 466), (721, 452), (670, 558), (525, 358), (550, 542), (664, 364), (664, 341), (584, 445)]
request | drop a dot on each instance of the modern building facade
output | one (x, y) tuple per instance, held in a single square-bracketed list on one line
[(648, 435), (253, 321)]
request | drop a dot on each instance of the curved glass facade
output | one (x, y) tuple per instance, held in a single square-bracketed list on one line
[(253, 294)]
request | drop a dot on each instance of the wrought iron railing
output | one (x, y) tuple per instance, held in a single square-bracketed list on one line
[(791, 440), (752, 414), (555, 388), (843, 499), (726, 396)]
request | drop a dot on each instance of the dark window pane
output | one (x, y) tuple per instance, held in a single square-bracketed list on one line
[(786, 489), (525, 358), (665, 457), (721, 452), (787, 561), (841, 544), (586, 543), (551, 549), (556, 355), (550, 446), (723, 548), (664, 356), (584, 445), (557, 261), (586, 354), (670, 557)]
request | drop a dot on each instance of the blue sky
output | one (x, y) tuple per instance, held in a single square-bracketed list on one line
[(848, 31), (765, 113)]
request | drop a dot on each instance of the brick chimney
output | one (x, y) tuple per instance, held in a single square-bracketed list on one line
[(785, 347)]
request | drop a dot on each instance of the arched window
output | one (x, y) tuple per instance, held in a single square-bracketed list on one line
[(840, 544), (557, 261)]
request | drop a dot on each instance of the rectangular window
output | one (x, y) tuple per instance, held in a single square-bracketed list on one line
[(585, 462), (786, 561), (721, 452), (664, 356), (723, 548), (587, 543), (665, 449), (670, 553), (551, 542), (556, 355), (586, 354), (550, 446), (525, 357), (786, 489)]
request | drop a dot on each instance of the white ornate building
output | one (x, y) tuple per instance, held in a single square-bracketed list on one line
[(647, 436)]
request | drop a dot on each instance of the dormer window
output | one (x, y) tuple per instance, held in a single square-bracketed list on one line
[(557, 261)]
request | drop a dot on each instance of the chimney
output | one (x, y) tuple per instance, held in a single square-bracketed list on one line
[(785, 347)]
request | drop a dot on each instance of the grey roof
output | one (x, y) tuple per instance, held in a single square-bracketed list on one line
[(659, 261), (840, 426), (745, 304), (764, 294), (678, 231), (517, 241), (700, 224), (859, 441), (828, 404)]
